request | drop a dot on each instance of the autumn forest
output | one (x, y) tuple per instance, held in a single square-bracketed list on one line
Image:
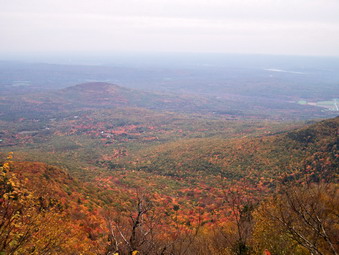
[(164, 164)]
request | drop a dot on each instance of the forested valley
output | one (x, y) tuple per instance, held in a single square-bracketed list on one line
[(98, 168)]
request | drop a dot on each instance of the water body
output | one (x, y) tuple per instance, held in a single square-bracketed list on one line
[(282, 71)]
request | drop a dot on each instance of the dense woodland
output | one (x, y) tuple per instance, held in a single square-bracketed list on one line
[(101, 169)]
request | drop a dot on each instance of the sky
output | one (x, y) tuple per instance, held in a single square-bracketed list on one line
[(279, 27)]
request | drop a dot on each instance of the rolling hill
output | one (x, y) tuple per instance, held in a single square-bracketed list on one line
[(312, 150)]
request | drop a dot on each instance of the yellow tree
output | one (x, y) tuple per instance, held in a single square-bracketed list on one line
[(29, 224), (302, 220)]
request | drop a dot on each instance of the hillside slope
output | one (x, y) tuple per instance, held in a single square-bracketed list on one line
[(185, 186), (312, 150)]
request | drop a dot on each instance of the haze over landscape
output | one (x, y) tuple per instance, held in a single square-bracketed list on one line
[(248, 27), (169, 127)]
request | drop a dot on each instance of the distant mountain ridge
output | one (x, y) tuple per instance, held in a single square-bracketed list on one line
[(94, 86), (101, 95)]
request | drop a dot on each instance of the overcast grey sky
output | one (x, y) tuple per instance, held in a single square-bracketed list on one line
[(294, 27)]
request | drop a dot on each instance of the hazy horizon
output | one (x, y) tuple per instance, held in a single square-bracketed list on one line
[(269, 27), (170, 59)]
